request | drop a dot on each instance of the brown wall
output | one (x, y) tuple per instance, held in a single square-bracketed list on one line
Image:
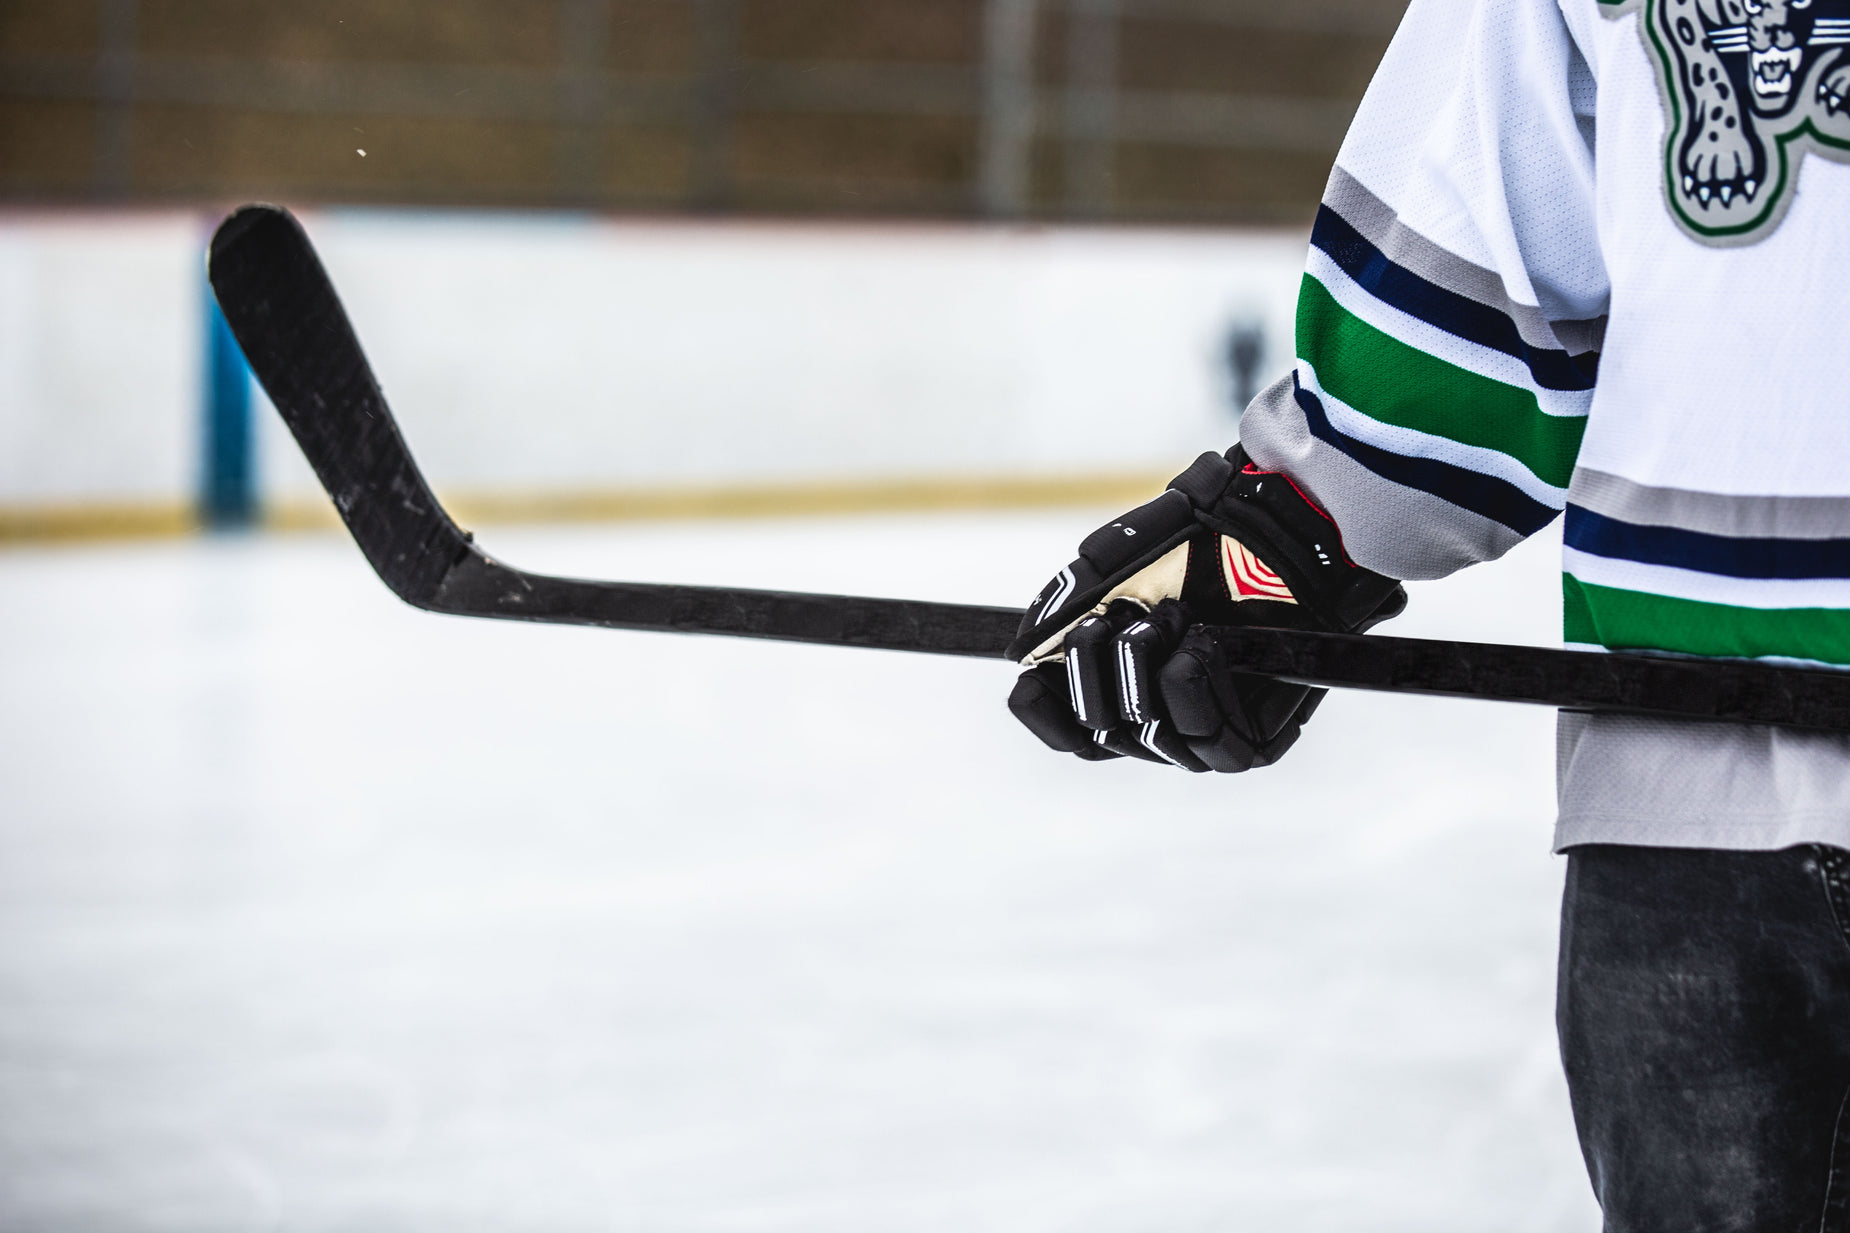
[(1137, 109)]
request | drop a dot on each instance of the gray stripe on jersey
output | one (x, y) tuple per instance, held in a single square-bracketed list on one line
[(1381, 226), (1711, 513), (1686, 784), (1374, 514)]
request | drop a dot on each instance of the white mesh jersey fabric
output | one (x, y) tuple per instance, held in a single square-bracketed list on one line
[(1519, 301)]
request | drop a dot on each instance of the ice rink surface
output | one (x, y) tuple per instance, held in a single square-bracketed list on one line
[(319, 913)]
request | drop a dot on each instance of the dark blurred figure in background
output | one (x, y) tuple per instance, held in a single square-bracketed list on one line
[(1245, 355)]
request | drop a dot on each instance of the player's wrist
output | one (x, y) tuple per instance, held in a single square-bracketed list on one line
[(1292, 537)]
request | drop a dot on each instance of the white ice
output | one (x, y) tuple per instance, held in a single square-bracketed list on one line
[(320, 913)]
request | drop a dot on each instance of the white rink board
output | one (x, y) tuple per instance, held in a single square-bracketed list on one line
[(584, 354), (101, 343), (317, 912), (537, 353)]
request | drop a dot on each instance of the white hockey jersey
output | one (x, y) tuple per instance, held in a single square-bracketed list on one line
[(1591, 256)]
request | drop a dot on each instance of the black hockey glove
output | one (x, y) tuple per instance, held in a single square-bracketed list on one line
[(1119, 661)]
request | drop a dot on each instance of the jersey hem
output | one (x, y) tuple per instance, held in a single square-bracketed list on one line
[(1768, 833)]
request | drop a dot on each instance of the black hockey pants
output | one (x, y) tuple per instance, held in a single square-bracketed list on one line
[(1704, 1012)]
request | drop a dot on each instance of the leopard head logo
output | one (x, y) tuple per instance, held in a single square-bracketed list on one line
[(1749, 87)]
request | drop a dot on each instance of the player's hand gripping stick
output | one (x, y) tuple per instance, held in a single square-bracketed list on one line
[(1117, 662)]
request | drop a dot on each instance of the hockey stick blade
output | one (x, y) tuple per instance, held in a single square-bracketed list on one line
[(289, 321)]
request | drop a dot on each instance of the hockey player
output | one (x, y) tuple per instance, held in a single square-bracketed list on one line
[(1536, 193)]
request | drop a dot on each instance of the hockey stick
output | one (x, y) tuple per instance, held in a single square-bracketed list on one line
[(290, 323)]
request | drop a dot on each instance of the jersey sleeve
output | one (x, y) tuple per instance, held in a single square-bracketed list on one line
[(1452, 305)]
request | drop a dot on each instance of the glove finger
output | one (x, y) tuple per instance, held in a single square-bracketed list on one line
[(1100, 688), (1141, 650), (1233, 749), (1233, 721), (1202, 691), (1091, 674), (1311, 704), (1123, 741), (1042, 702), (1276, 748), (1261, 708), (1287, 735), (1226, 752), (1168, 745), (1188, 693)]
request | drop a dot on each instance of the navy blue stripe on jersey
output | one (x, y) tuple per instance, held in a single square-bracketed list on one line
[(1458, 315), (1495, 499), (1601, 536)]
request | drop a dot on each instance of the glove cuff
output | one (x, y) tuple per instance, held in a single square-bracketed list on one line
[(1269, 514)]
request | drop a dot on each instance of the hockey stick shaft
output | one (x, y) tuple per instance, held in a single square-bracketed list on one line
[(289, 320)]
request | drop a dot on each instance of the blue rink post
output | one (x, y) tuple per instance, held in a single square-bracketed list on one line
[(227, 476)]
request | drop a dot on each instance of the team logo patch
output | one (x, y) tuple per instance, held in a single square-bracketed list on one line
[(1749, 87), (1247, 576)]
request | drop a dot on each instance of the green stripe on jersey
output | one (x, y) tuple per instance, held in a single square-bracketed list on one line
[(1619, 619), (1387, 380)]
